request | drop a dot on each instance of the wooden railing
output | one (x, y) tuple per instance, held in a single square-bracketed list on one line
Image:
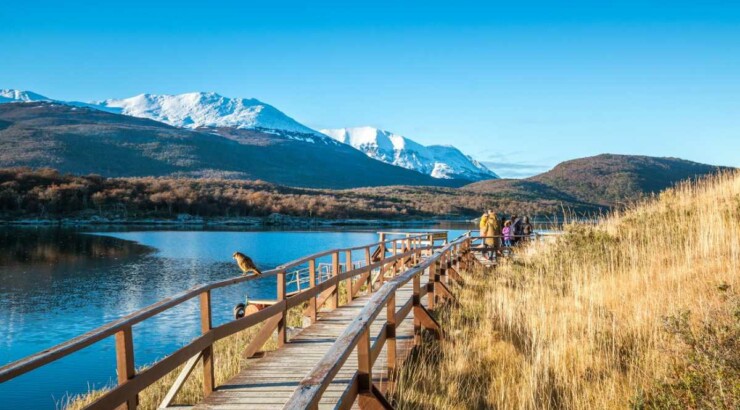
[(405, 250), (443, 267)]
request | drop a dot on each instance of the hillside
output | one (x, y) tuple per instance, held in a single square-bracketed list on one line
[(603, 180), (439, 161), (82, 141)]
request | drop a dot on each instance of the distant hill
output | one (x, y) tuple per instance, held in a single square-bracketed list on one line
[(82, 140), (604, 180)]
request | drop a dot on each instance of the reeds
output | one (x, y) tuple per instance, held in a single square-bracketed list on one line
[(639, 310)]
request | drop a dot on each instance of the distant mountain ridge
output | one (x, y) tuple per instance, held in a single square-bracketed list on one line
[(445, 162)]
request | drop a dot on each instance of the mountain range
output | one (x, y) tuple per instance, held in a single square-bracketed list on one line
[(212, 113), (83, 140), (439, 161)]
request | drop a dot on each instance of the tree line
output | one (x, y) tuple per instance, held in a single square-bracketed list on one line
[(47, 193)]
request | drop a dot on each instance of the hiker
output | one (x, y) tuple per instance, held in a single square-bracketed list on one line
[(483, 223), (516, 229), (492, 227), (507, 232), (527, 229)]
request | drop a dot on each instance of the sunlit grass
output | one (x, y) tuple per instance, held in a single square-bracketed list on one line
[(640, 310)]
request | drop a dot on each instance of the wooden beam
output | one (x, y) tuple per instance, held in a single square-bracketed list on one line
[(125, 364), (268, 328), (313, 309), (348, 281), (368, 260), (209, 378), (364, 363), (335, 271), (390, 335), (282, 323), (427, 321), (180, 381), (442, 291)]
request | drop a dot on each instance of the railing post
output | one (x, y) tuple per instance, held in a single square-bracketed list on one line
[(125, 363), (444, 262), (390, 334), (312, 283), (364, 363), (370, 271), (209, 383), (348, 282), (431, 286), (281, 328), (416, 301), (335, 271)]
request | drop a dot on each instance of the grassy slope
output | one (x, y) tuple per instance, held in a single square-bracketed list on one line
[(641, 310)]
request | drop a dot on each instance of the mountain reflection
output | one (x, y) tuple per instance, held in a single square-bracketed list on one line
[(54, 248)]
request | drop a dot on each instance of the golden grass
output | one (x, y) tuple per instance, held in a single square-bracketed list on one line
[(639, 310)]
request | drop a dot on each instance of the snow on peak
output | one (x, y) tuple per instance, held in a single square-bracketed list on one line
[(9, 95), (206, 109), (439, 161)]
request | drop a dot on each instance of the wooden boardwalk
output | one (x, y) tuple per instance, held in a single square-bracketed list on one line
[(268, 382), (342, 360)]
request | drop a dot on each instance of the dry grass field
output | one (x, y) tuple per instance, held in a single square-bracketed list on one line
[(641, 310)]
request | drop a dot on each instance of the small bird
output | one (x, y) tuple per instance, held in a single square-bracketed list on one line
[(246, 264)]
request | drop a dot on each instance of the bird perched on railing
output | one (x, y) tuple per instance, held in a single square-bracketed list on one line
[(246, 264)]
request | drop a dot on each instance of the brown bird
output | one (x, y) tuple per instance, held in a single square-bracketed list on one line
[(246, 264)]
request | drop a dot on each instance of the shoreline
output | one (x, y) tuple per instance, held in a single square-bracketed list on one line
[(275, 220)]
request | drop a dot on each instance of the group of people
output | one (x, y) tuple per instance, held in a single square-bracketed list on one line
[(502, 231)]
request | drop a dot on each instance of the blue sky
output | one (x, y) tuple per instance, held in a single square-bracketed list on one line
[(520, 87)]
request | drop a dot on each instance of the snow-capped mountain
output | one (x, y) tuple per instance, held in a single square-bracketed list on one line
[(7, 95), (439, 161), (206, 109), (194, 110)]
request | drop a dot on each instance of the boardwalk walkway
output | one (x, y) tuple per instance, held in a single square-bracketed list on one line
[(268, 382)]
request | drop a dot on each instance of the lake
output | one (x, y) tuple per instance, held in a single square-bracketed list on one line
[(56, 284)]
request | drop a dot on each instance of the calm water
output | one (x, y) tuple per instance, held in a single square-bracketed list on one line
[(57, 284)]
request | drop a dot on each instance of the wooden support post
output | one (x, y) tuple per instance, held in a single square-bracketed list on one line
[(370, 272), (282, 324), (433, 278), (348, 282), (334, 301), (417, 302), (209, 379), (125, 363), (364, 363), (312, 308), (444, 261), (390, 334)]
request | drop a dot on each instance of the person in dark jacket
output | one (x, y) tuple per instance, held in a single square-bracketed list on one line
[(516, 227), (527, 229)]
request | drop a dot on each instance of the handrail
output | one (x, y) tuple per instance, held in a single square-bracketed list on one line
[(123, 325), (309, 392)]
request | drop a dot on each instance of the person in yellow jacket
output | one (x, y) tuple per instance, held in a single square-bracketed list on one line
[(492, 229), (483, 224)]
